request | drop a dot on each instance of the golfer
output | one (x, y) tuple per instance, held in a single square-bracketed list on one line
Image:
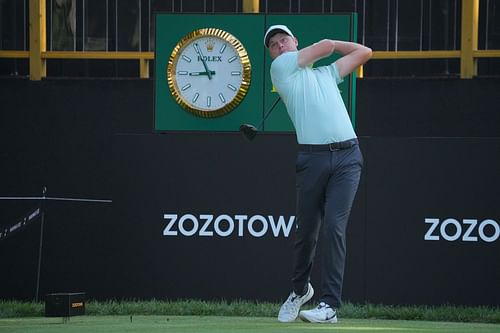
[(328, 165)]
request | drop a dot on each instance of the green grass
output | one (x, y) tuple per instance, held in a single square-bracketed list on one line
[(242, 316), (11, 309), (208, 324)]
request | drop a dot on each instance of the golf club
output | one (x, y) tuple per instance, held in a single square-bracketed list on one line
[(250, 131)]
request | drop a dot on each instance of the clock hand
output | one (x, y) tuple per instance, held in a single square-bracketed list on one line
[(198, 50), (201, 73)]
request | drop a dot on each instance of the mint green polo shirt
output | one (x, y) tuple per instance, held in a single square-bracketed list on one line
[(312, 99)]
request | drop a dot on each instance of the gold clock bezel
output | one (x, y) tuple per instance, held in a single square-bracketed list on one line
[(246, 71)]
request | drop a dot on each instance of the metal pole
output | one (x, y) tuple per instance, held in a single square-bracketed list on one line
[(107, 25), (487, 24), (430, 25), (149, 25), (116, 25), (421, 24), (397, 26), (76, 25), (140, 24), (51, 12), (364, 21), (24, 25), (470, 17), (39, 256), (455, 26), (388, 24), (446, 33), (38, 40), (83, 26)]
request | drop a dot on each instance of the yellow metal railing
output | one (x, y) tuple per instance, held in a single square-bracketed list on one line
[(143, 57), (470, 19), (38, 55), (15, 54), (415, 54), (38, 39), (468, 54)]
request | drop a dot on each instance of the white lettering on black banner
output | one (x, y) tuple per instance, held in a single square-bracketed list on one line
[(208, 225), (467, 230)]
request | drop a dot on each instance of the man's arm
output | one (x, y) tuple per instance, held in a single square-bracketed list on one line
[(353, 54), (313, 53)]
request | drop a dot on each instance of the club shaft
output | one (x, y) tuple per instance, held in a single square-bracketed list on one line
[(266, 115)]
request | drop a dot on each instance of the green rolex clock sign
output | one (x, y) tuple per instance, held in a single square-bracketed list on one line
[(221, 84), (212, 71)]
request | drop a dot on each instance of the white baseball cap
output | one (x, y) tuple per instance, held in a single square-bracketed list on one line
[(273, 30)]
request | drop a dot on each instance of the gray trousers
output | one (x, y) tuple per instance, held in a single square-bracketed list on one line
[(326, 184)]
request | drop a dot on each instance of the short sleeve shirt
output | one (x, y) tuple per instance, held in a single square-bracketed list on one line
[(312, 99)]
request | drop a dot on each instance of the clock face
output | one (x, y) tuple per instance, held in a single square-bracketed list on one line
[(209, 72)]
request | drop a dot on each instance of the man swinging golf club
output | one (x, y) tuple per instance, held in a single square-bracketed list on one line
[(328, 165)]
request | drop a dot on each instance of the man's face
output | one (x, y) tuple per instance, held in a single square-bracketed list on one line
[(281, 43)]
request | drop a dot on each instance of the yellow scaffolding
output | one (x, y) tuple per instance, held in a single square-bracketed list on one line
[(38, 55), (38, 39)]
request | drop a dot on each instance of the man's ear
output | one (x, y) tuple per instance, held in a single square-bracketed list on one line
[(296, 41)]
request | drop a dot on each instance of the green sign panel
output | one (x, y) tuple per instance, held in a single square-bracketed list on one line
[(204, 51)]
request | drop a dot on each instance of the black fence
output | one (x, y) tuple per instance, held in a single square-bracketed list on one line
[(128, 25)]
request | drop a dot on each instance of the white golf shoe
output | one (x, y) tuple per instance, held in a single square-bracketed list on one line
[(323, 313), (289, 311)]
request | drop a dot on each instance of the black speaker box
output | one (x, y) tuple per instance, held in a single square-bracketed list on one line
[(64, 304)]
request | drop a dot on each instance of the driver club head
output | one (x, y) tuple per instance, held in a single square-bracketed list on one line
[(249, 131)]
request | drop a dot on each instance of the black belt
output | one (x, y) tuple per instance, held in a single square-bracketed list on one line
[(330, 146)]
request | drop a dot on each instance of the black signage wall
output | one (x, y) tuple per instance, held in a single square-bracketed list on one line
[(433, 221), (209, 215), (417, 234)]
